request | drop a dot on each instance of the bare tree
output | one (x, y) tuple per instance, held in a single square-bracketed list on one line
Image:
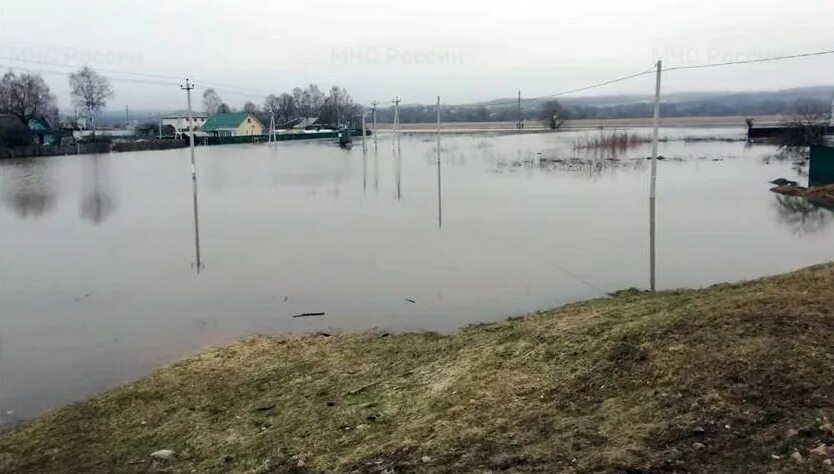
[(482, 113), (211, 101), (271, 105), (338, 106), (314, 98), (807, 127), (298, 99), (27, 96), (553, 113), (250, 108), (286, 107), (90, 91)]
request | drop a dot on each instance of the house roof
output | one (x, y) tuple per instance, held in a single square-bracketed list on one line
[(37, 124), (183, 114), (224, 121)]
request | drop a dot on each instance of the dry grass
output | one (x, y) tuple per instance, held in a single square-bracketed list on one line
[(613, 141), (715, 380), (819, 195)]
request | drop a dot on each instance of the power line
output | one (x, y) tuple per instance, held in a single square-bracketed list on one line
[(218, 85), (117, 79), (750, 61), (77, 66), (569, 91), (650, 71)]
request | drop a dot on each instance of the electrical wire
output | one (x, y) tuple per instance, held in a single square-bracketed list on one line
[(246, 91), (750, 61), (253, 92)]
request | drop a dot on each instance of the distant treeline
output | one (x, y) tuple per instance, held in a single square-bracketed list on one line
[(796, 101)]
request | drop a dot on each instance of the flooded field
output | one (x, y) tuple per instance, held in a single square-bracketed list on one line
[(102, 276)]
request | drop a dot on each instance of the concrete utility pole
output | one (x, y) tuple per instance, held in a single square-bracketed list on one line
[(397, 101), (373, 111), (187, 88), (518, 125), (653, 186), (439, 193)]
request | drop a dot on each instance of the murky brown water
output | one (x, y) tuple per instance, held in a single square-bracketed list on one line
[(98, 273)]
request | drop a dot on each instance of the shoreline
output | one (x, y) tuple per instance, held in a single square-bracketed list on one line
[(534, 126), (704, 380)]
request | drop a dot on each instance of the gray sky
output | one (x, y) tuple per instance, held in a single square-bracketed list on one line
[(462, 50)]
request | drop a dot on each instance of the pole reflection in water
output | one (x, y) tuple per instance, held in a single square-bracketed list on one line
[(376, 166), (97, 205), (364, 166), (399, 168), (198, 265)]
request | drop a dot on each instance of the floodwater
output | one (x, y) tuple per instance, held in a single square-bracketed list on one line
[(101, 281)]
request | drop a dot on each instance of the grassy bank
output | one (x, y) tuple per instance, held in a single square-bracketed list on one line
[(733, 378)]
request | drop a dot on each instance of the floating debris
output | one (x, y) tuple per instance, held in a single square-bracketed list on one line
[(305, 315)]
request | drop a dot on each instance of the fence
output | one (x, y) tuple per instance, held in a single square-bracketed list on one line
[(30, 151)]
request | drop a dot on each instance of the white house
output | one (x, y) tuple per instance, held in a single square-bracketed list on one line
[(179, 119)]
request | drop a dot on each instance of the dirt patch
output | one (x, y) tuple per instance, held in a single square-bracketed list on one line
[(821, 195)]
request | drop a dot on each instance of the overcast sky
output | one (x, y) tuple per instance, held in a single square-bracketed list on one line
[(460, 49)]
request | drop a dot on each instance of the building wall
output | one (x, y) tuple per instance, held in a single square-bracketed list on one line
[(181, 123), (250, 126)]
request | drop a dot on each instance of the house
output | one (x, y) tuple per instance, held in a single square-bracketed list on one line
[(179, 119), (41, 131), (233, 125), (300, 123)]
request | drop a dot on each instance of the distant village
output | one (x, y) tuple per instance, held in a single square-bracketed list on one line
[(31, 125)]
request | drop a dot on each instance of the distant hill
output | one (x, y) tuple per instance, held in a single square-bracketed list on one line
[(678, 104)]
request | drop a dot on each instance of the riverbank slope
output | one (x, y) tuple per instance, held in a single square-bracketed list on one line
[(732, 378)]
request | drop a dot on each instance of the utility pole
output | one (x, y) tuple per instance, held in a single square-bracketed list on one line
[(397, 101), (439, 194), (127, 121), (373, 111), (518, 125), (271, 125), (187, 88), (653, 186)]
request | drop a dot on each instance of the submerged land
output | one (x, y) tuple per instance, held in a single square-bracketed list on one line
[(532, 126), (731, 378)]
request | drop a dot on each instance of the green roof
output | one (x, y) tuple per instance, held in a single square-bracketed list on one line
[(217, 121)]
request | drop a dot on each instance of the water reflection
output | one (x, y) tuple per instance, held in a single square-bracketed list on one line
[(198, 264), (376, 166), (801, 215), (510, 244), (29, 189), (97, 205), (439, 187), (398, 166)]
